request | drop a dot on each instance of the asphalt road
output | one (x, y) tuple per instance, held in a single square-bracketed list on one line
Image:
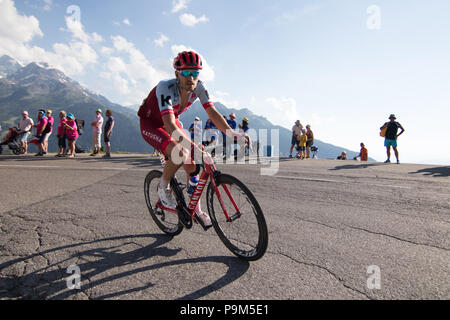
[(338, 230)]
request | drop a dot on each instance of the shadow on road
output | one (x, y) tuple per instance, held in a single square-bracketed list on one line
[(435, 172), (50, 282), (356, 166), (136, 161)]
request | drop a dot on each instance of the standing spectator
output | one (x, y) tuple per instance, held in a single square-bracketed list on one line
[(48, 130), (391, 137), (97, 132), (233, 125), (302, 145), (248, 142), (72, 134), (309, 141), (61, 133), (25, 125), (196, 130), (108, 130), (211, 133), (40, 127), (296, 133)]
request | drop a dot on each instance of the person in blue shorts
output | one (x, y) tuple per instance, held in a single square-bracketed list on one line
[(391, 137)]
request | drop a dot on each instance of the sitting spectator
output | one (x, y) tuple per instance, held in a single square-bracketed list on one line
[(343, 156), (363, 154)]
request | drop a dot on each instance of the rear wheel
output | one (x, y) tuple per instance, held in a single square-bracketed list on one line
[(246, 234), (168, 222)]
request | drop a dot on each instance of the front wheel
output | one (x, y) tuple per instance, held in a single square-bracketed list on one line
[(244, 234), (168, 222)]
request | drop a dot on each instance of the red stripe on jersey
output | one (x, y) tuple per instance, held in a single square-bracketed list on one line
[(167, 111), (208, 105)]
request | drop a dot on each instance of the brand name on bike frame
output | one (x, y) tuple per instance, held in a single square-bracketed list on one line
[(198, 191), (260, 143)]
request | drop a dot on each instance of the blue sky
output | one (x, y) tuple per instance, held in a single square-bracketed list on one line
[(340, 65)]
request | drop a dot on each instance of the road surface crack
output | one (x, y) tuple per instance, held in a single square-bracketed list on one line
[(397, 238), (338, 278)]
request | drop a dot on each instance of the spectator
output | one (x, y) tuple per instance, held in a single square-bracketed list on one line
[(309, 141), (61, 133), (97, 132), (40, 127), (296, 133), (48, 130), (302, 145), (211, 134), (233, 125), (25, 126), (72, 134), (363, 153), (248, 142), (108, 130), (391, 137), (343, 156), (196, 130)]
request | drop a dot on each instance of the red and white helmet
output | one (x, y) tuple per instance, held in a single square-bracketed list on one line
[(187, 60)]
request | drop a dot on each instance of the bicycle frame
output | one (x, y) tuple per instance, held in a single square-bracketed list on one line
[(208, 172)]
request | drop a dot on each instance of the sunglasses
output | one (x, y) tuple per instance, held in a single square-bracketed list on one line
[(188, 73)]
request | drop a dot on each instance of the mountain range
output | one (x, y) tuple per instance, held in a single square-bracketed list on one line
[(38, 86)]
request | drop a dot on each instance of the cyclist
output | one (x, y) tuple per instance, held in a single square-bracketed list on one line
[(161, 128)]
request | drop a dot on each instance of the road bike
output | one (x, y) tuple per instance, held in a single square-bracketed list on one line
[(235, 213)]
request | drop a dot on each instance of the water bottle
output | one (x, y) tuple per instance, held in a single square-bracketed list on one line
[(192, 185)]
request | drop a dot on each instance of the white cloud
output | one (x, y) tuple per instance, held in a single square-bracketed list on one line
[(131, 73), (207, 74), (190, 20), (127, 22), (161, 40), (14, 27), (178, 5), (281, 111)]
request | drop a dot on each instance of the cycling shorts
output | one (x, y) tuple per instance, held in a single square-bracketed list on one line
[(157, 137)]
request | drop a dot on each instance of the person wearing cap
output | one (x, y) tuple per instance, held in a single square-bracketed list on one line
[(97, 132), (196, 130), (296, 133), (233, 125), (25, 126), (391, 137), (71, 133), (47, 131), (40, 127)]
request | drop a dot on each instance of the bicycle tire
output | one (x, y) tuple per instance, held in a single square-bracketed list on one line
[(172, 227), (247, 236)]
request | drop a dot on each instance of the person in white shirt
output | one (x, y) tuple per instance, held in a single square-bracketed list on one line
[(296, 132), (25, 126), (97, 132)]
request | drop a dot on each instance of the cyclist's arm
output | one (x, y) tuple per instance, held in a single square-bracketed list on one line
[(220, 122)]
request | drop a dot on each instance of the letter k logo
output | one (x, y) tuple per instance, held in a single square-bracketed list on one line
[(165, 100)]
